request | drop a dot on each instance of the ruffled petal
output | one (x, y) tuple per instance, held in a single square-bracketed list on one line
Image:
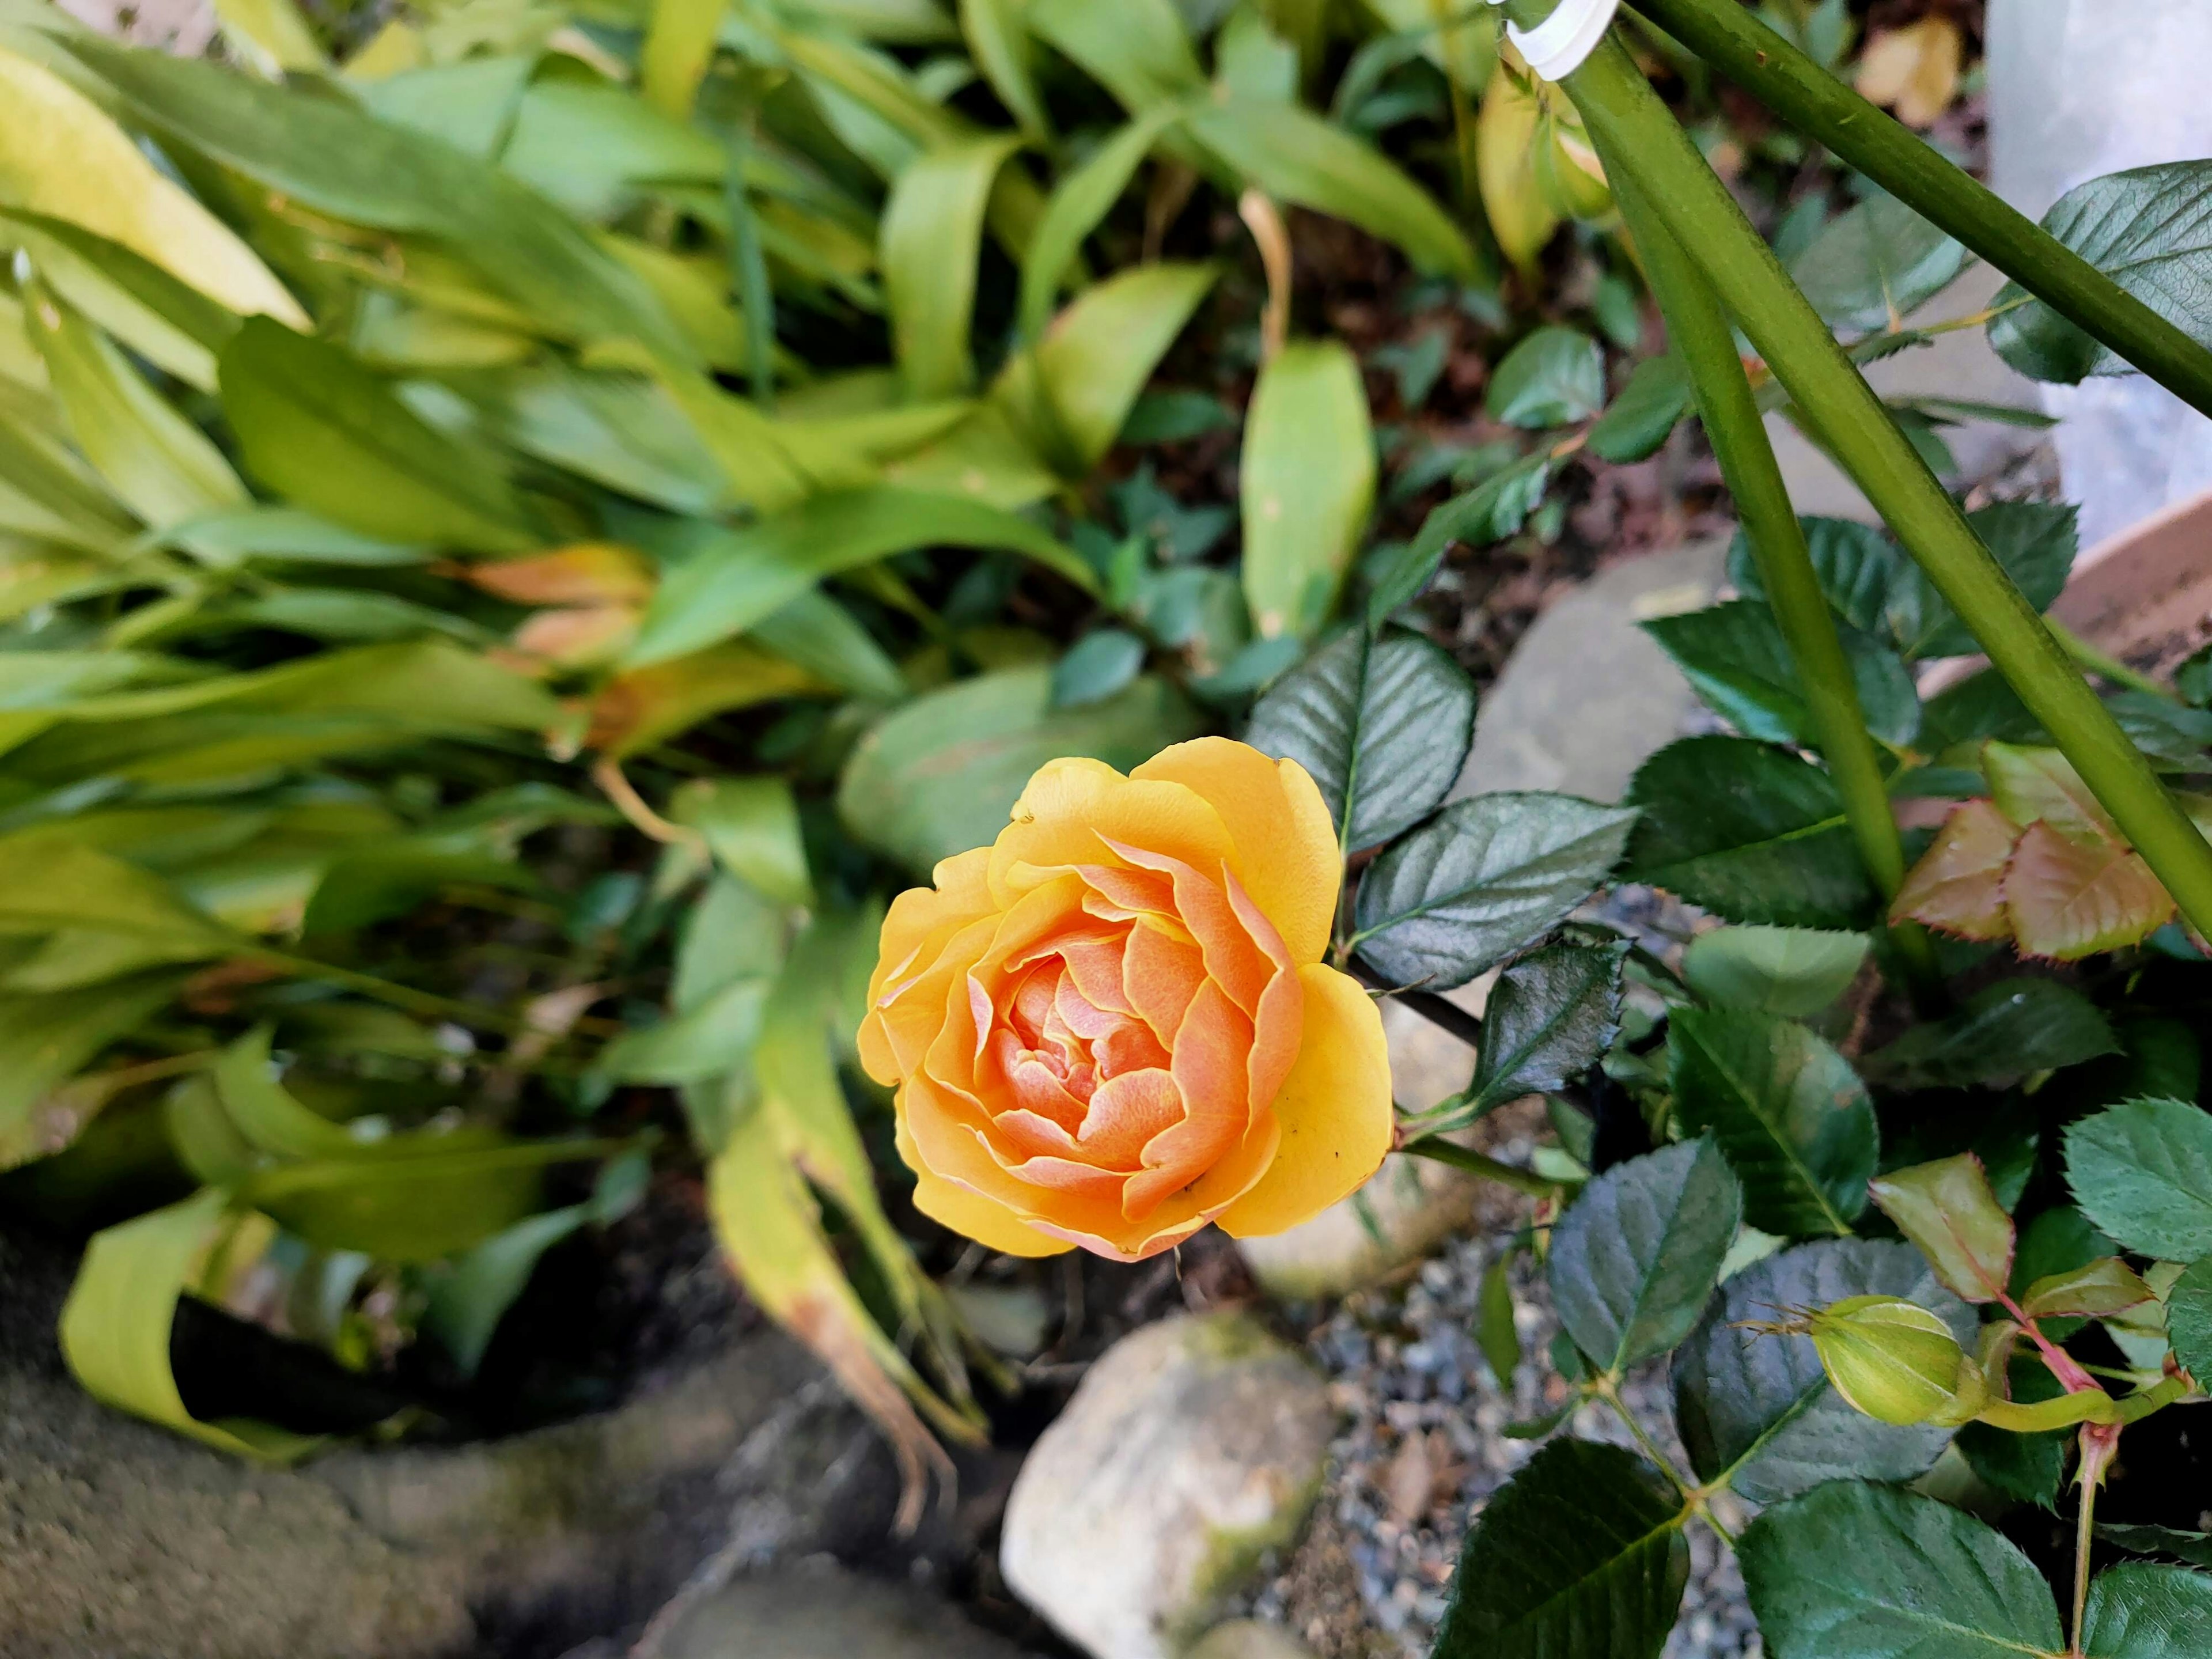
[(990, 1224), (1334, 1110), (1072, 808), (1286, 848)]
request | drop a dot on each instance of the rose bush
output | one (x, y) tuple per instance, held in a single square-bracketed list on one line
[(1113, 1025)]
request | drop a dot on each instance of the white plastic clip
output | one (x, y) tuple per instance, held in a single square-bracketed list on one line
[(1556, 47)]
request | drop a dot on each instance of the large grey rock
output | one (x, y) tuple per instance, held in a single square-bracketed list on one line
[(821, 1612), (120, 1541), (1587, 695), (1192, 1448), (2078, 88)]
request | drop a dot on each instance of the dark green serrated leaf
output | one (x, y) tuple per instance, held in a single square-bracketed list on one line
[(2194, 1547), (2189, 1318), (1638, 423), (2003, 1033), (1551, 1016), (1855, 1571), (2150, 230), (1554, 377), (1735, 658), (1748, 831), (2034, 541), (1759, 1408), (1874, 264), (2140, 1611), (1381, 726), (1480, 880), (1787, 1108), (2143, 1173), (1580, 1556), (1635, 1255)]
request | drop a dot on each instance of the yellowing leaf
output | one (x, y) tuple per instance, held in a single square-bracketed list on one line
[(583, 573), (1913, 70), (637, 709), (1505, 168), (1308, 484), (271, 35), (678, 46), (1957, 885), (60, 155), (2070, 898)]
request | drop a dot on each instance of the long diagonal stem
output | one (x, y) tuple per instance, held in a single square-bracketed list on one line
[(1698, 330), (1642, 137), (1809, 98)]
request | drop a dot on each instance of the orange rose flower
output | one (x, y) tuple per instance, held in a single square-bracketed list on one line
[(1113, 1025)]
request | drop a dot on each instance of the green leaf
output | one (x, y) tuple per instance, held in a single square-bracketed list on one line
[(1752, 833), (1496, 1332), (1735, 658), (165, 320), (1096, 667), (1551, 1016), (2005, 1032), (998, 39), (159, 463), (2138, 1611), (115, 1326), (1875, 1573), (2092, 1291), (1307, 483), (751, 827), (1635, 1255), (317, 427), (45, 1040), (1296, 156), (411, 1199), (1792, 971), (2150, 230), (733, 581), (1641, 419), (1787, 1108), (939, 775), (1381, 726), (1580, 1556), (1494, 510), (48, 884), (329, 156), (2143, 1172), (931, 236), (1874, 264), (1947, 1210), (1072, 396), (1075, 210), (266, 1117), (2194, 1547), (465, 1304), (1554, 377), (1139, 51), (2189, 1318), (2034, 541), (1759, 1409), (1481, 880), (823, 637)]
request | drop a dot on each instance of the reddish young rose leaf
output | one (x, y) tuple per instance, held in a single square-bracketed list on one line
[(1947, 1210), (2069, 899), (2040, 785), (1958, 885), (583, 575)]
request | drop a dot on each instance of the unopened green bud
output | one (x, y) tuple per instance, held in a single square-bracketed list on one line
[(1896, 1361)]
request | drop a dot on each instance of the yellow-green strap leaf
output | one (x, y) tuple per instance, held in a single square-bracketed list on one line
[(931, 236), (1075, 210), (678, 46)]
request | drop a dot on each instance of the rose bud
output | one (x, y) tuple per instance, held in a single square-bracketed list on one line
[(1896, 1361)]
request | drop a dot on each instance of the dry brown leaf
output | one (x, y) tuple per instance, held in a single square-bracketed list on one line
[(1913, 70)]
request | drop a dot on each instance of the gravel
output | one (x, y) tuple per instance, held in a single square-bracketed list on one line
[(1423, 1447)]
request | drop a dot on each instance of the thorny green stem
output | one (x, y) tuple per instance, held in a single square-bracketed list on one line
[(2100, 1441), (1698, 330), (1623, 113), (1809, 98)]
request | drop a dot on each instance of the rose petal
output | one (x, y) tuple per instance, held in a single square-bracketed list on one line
[(1286, 848), (1160, 975), (1071, 807), (1209, 1066), (1334, 1110), (1234, 959), (1127, 1114)]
